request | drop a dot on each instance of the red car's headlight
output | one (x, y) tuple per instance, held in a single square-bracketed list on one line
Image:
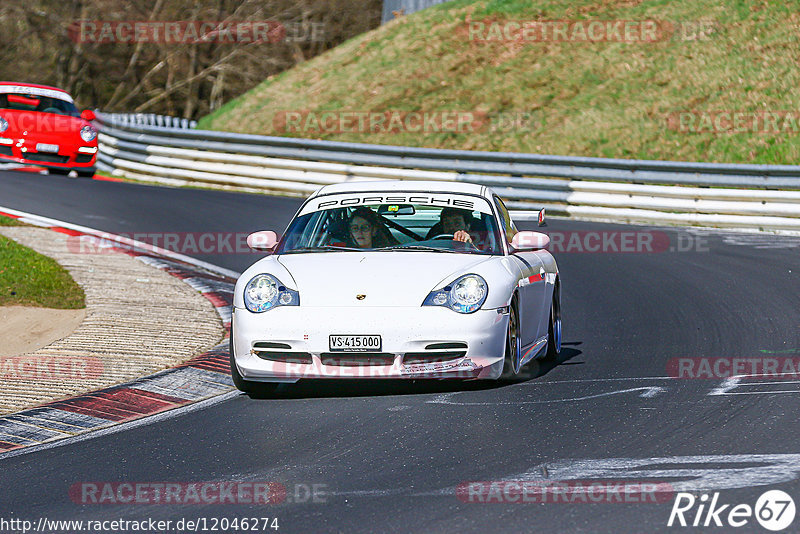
[(88, 134), (3, 125)]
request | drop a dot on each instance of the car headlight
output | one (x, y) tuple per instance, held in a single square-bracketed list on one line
[(265, 292), (465, 295), (88, 134), (3, 125)]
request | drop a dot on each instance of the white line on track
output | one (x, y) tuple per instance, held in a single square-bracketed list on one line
[(680, 473), (795, 391), (729, 384), (626, 379), (446, 398)]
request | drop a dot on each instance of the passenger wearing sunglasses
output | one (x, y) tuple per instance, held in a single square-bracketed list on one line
[(365, 230)]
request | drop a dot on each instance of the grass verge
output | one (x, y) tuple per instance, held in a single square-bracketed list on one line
[(29, 279), (8, 221), (606, 99)]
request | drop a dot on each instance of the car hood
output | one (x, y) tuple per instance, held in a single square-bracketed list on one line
[(42, 125), (384, 278)]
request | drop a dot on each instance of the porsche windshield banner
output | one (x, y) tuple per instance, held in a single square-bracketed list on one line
[(435, 200), (35, 91)]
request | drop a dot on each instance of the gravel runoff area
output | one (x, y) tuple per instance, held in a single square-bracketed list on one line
[(138, 320)]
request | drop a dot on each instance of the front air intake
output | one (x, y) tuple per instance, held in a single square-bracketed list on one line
[(356, 359)]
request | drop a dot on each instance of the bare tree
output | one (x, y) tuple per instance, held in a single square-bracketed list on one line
[(42, 43)]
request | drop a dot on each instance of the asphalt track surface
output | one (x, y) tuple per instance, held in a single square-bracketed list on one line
[(390, 455)]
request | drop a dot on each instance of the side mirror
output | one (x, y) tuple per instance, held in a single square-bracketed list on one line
[(529, 241), (264, 240), (542, 222), (88, 115)]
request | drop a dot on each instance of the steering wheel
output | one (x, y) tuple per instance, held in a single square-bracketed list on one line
[(52, 110), (451, 237)]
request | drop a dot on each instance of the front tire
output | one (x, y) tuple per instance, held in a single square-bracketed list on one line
[(513, 353), (248, 386), (554, 329)]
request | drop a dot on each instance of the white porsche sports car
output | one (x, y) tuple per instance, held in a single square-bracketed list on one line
[(395, 279)]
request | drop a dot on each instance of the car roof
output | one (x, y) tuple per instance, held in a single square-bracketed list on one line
[(423, 186), (37, 85), (35, 89)]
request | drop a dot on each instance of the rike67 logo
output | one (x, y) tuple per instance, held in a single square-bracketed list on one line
[(774, 510)]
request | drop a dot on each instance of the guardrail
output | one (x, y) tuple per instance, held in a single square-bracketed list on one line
[(762, 197), (150, 119), (390, 7)]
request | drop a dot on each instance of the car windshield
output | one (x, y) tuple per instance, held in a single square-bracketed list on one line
[(37, 103), (413, 223)]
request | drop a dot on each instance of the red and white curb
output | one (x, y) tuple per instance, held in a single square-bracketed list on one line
[(204, 379)]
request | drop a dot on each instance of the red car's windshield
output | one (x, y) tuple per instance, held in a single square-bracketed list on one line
[(36, 103)]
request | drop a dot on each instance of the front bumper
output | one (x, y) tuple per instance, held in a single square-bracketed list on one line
[(289, 343), (67, 157)]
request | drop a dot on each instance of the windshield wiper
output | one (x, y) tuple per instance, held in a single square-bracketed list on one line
[(418, 247), (427, 248), (321, 248)]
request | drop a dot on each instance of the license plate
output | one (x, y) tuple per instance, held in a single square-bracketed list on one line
[(350, 343), (44, 147)]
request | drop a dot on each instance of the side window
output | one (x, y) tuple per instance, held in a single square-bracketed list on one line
[(505, 219)]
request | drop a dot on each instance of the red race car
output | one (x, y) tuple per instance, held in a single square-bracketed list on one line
[(40, 125)]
